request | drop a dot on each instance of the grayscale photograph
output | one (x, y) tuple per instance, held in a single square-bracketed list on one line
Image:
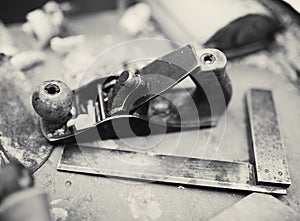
[(149, 110)]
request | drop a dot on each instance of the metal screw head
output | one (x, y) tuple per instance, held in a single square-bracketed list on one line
[(207, 58), (267, 171), (125, 77), (52, 89)]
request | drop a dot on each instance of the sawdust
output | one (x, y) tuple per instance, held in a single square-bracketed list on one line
[(143, 206), (59, 214), (283, 56)]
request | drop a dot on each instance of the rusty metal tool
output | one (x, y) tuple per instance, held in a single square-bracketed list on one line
[(124, 104), (269, 158), (267, 147)]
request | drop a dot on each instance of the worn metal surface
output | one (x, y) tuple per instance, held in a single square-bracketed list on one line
[(198, 106), (269, 157), (20, 137), (165, 72), (162, 168)]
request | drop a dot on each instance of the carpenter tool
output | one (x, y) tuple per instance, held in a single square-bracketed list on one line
[(122, 106), (267, 171)]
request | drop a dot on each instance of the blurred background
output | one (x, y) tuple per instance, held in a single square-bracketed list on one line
[(15, 11)]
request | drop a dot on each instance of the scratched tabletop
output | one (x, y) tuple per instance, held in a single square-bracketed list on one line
[(82, 197)]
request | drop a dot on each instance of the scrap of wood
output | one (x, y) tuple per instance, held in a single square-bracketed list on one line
[(20, 136), (259, 207)]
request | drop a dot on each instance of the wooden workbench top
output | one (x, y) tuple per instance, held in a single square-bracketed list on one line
[(83, 197)]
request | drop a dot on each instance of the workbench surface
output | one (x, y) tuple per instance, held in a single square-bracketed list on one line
[(84, 197)]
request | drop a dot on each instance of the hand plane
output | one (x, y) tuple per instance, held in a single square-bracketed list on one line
[(146, 101)]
